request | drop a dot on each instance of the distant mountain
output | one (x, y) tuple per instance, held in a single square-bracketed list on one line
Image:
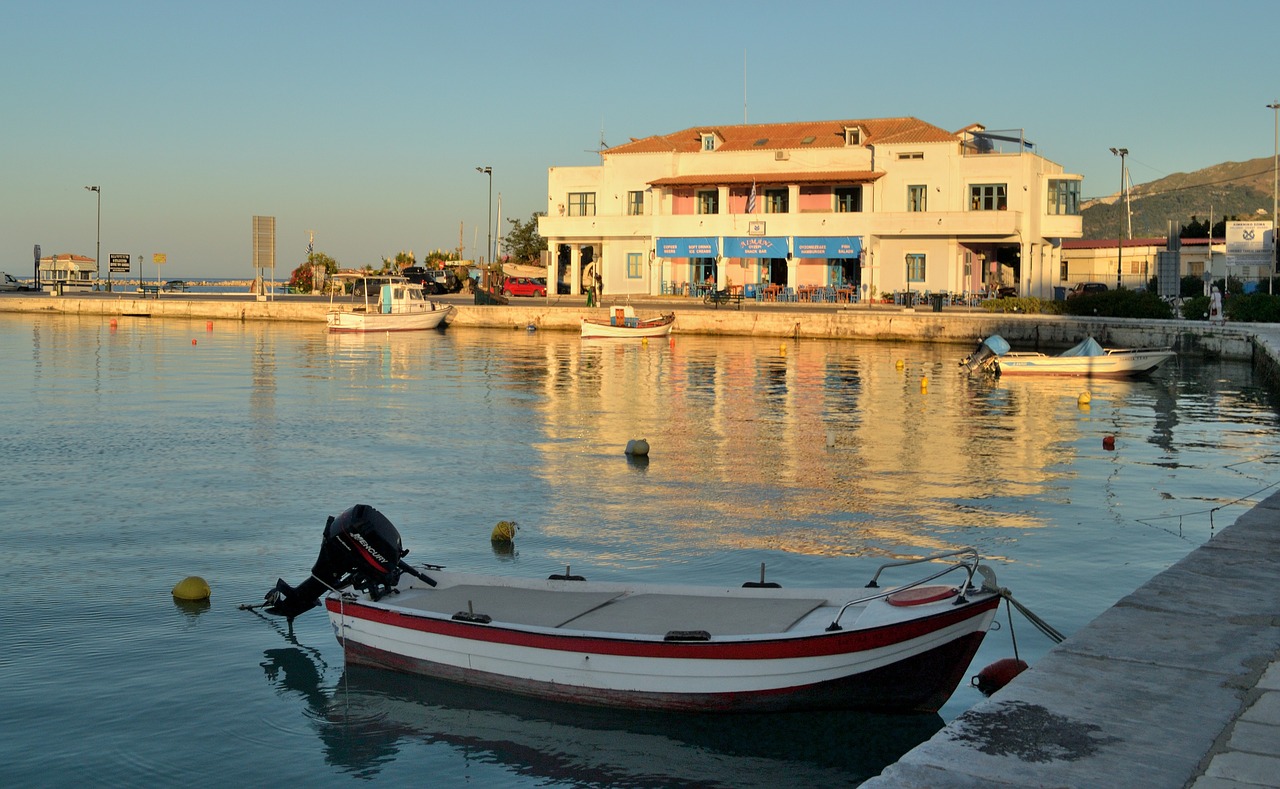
[(1233, 189)]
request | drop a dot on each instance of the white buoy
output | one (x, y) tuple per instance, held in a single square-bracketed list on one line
[(638, 446)]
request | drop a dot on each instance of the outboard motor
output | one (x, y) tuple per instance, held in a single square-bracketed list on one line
[(361, 548), (985, 356)]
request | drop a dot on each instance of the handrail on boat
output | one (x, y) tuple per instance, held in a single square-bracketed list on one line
[(969, 564)]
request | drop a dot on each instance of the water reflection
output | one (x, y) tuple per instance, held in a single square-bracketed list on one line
[(371, 715)]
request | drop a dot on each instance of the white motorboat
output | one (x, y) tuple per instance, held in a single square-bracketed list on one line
[(757, 647), (623, 323), (1085, 359), (396, 304)]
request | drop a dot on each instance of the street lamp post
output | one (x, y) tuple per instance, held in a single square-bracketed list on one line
[(1275, 187), (1121, 152), (97, 256), (488, 250)]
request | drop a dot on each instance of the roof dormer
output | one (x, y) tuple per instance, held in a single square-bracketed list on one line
[(852, 136), (710, 141)]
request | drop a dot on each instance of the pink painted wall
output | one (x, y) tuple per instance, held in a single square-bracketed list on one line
[(682, 202), (815, 198)]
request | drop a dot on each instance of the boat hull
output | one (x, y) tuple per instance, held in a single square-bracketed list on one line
[(354, 322), (1113, 364), (888, 660), (595, 329)]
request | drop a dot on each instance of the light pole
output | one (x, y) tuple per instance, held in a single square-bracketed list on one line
[(1121, 152), (97, 256), (1275, 183), (488, 250)]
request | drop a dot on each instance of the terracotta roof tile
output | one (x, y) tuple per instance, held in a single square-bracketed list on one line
[(778, 136), (762, 179)]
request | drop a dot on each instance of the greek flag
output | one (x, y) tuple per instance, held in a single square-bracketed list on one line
[(751, 199), (309, 250)]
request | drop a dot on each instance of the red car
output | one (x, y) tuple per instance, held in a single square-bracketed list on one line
[(523, 286)]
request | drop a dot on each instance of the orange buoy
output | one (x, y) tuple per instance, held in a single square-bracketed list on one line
[(208, 325), (998, 674), (193, 340), (1108, 442)]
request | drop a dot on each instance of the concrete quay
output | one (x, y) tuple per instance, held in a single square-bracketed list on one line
[(959, 325), (1177, 685)]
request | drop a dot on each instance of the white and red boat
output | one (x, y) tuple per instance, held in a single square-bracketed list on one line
[(758, 647), (623, 323)]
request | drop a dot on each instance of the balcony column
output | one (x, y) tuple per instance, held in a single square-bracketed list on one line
[(552, 261), (575, 270)]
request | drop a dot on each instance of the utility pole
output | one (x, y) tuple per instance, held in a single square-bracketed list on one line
[(1121, 152)]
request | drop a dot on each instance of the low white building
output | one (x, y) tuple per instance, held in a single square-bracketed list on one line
[(868, 207), (67, 271)]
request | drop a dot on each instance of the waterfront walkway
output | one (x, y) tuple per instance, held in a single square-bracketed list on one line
[(1177, 685)]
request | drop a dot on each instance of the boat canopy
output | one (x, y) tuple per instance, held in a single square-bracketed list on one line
[(1089, 347)]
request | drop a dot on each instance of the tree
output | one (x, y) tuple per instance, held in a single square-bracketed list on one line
[(400, 262), (303, 280), (523, 243)]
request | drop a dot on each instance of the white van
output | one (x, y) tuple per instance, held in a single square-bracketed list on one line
[(7, 282)]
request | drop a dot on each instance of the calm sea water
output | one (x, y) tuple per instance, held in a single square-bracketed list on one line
[(139, 454)]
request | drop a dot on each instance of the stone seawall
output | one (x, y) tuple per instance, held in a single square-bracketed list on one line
[(959, 326)]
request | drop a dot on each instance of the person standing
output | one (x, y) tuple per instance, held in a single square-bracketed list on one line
[(1215, 305)]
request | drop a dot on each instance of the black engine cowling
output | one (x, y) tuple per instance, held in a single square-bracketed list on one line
[(361, 549)]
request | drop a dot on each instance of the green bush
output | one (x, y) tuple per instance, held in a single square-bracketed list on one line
[(1028, 305), (1196, 308), (1252, 308), (1119, 304)]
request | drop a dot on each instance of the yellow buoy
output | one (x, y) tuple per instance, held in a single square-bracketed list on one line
[(924, 384), (899, 364), (505, 531), (192, 588), (1084, 399)]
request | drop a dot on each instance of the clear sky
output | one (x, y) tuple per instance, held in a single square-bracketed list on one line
[(365, 121)]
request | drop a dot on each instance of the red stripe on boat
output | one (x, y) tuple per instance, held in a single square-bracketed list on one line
[(832, 643)]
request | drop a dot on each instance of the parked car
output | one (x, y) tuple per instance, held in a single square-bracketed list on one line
[(7, 282), (174, 285), (372, 284), (523, 286), (1083, 288), (434, 280)]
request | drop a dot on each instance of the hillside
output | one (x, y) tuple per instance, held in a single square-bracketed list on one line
[(1232, 189)]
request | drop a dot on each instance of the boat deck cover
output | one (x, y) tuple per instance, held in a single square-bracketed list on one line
[(536, 607), (611, 612)]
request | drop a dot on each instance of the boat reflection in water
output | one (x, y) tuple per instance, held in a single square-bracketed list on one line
[(372, 714)]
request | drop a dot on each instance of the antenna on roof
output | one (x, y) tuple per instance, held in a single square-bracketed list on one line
[(603, 145), (744, 86)]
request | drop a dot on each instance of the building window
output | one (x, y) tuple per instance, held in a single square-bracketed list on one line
[(988, 197), (852, 135), (1064, 197), (775, 201), (708, 142), (582, 204), (918, 198), (911, 155), (635, 203), (708, 201), (633, 265), (915, 268), (848, 199), (1062, 271)]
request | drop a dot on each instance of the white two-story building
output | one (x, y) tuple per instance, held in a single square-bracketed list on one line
[(872, 207)]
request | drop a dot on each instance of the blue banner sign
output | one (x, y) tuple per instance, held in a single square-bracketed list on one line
[(687, 247), (755, 247), (828, 246)]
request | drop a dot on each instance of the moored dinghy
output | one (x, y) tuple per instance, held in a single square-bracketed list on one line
[(650, 646), (1088, 358), (623, 323)]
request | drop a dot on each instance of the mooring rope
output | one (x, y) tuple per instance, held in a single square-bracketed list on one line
[(1040, 624)]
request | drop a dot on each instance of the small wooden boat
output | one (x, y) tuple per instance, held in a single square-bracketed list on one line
[(392, 304), (757, 647), (622, 323), (1085, 359)]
